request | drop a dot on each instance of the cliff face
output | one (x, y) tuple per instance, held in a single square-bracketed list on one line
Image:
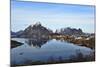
[(36, 31)]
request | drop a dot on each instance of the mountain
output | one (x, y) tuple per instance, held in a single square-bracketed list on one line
[(13, 34), (19, 33), (70, 31), (16, 34), (36, 31)]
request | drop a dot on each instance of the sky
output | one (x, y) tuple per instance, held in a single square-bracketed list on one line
[(52, 16)]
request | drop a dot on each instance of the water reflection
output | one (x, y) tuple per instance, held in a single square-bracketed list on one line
[(36, 42), (50, 51), (15, 44)]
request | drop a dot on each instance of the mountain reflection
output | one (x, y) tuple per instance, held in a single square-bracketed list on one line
[(36, 42)]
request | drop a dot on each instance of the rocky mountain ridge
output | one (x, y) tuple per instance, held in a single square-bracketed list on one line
[(38, 31)]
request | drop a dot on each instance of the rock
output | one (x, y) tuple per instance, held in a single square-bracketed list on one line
[(15, 44), (70, 31), (36, 31)]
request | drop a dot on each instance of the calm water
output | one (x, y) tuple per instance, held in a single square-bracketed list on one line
[(42, 50)]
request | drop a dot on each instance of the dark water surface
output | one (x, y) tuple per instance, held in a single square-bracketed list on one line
[(43, 50)]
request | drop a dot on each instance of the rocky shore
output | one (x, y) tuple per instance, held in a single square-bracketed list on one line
[(81, 40)]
